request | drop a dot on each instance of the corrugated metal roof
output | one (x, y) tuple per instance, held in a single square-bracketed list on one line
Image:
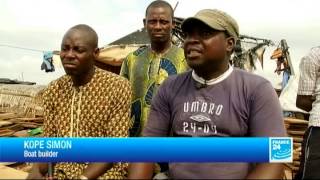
[(137, 37)]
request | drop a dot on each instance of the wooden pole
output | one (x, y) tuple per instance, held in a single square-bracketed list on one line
[(285, 49), (175, 7)]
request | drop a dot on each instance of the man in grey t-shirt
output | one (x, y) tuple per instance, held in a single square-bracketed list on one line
[(214, 100)]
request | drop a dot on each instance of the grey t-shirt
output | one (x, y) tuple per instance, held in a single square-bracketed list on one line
[(242, 105)]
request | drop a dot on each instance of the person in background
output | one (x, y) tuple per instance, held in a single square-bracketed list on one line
[(86, 102), (149, 66), (214, 100), (308, 99)]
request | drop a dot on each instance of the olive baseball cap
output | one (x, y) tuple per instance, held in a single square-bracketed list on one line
[(215, 19)]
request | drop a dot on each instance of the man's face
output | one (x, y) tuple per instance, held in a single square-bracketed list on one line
[(159, 24), (77, 53), (205, 47)]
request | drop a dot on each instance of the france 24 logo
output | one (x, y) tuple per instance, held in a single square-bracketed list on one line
[(280, 149)]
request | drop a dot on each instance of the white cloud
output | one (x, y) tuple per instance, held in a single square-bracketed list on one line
[(35, 14)]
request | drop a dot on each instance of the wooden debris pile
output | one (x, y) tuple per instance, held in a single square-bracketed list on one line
[(24, 100), (20, 109), (14, 125), (296, 129)]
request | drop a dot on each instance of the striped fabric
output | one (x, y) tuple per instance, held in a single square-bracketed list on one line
[(309, 83)]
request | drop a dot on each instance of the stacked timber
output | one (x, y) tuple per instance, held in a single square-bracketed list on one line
[(20, 109), (20, 116), (24, 100), (15, 125), (296, 129)]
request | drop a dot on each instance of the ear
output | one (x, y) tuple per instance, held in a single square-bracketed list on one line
[(144, 22), (96, 53), (230, 44), (173, 23)]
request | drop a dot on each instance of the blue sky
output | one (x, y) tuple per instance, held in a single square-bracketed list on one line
[(40, 24)]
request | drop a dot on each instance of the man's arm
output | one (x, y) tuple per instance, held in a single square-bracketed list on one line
[(39, 170), (94, 170), (266, 171), (307, 83), (158, 125), (266, 120), (304, 102), (118, 125), (141, 170), (124, 71)]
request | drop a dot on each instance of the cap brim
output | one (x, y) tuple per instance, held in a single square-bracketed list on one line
[(187, 23)]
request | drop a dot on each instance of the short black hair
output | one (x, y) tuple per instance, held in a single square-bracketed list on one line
[(160, 3)]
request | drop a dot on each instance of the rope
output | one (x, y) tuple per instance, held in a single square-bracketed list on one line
[(23, 48)]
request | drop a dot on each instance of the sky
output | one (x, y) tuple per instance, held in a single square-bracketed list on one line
[(41, 24)]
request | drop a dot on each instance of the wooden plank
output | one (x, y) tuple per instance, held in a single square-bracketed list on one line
[(35, 120), (6, 132), (298, 140), (296, 145), (287, 173), (13, 127), (23, 133), (5, 123), (292, 167), (295, 121), (292, 132), (10, 173), (4, 116), (296, 163), (29, 124), (6, 163)]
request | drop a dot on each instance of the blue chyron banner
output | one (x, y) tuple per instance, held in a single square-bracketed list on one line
[(210, 149)]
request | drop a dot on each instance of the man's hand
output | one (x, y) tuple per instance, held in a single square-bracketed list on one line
[(140, 170), (94, 170), (304, 102)]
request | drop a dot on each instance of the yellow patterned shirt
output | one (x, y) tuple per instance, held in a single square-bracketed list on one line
[(100, 108), (146, 70)]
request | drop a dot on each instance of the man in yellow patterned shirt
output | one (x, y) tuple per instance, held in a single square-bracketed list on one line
[(149, 66), (86, 102)]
